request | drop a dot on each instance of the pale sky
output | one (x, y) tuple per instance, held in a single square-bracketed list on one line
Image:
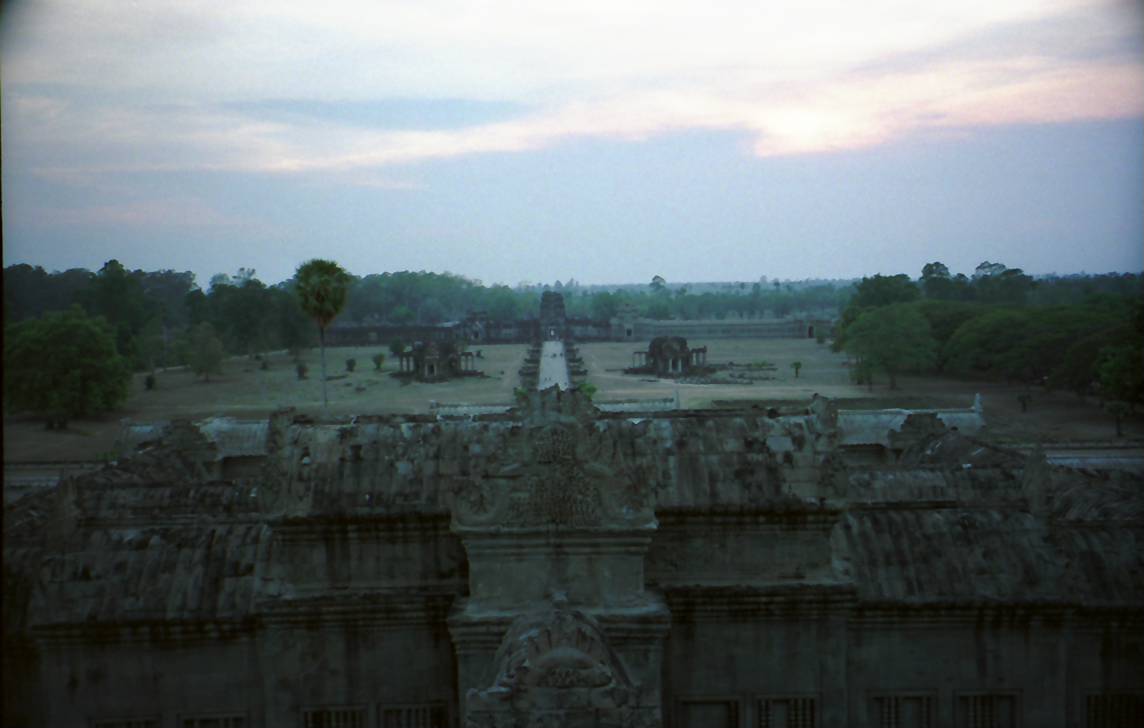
[(604, 141)]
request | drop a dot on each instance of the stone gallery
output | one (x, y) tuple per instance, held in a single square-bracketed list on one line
[(669, 356), (436, 361), (556, 565)]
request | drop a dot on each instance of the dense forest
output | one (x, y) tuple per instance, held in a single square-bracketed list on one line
[(1081, 332)]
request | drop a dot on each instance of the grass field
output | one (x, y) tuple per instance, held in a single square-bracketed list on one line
[(822, 371), (245, 391)]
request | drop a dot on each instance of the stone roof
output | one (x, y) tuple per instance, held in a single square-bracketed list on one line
[(874, 427), (956, 536), (169, 573), (155, 536), (229, 437), (236, 438)]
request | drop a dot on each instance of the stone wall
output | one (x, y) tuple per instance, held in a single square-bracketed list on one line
[(647, 329), (557, 563), (625, 328)]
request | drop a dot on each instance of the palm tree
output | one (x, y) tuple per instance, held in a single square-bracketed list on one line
[(322, 286)]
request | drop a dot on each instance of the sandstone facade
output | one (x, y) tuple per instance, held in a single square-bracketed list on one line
[(556, 565)]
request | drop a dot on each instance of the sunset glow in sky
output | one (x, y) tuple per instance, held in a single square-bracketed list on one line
[(603, 141)]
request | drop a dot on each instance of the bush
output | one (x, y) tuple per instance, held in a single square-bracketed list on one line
[(396, 347), (149, 382), (301, 369), (350, 364), (378, 359)]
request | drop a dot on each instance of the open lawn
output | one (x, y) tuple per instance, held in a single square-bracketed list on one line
[(1051, 416), (245, 391), (822, 371)]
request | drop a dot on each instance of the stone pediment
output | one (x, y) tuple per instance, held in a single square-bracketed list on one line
[(555, 669)]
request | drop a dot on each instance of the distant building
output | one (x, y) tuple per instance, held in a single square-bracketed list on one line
[(669, 356), (553, 323), (435, 361)]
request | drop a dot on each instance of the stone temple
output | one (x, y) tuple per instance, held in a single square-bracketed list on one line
[(555, 565)]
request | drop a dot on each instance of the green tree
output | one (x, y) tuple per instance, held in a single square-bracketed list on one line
[(1010, 286), (205, 351), (658, 309), (1121, 373), (402, 315), (939, 284), (881, 290), (796, 366), (63, 365), (502, 304), (1027, 345), (872, 292), (117, 294), (980, 344), (243, 312), (1078, 370), (321, 287), (893, 338), (605, 306), (294, 330)]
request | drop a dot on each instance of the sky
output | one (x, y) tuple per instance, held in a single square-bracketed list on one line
[(606, 142)]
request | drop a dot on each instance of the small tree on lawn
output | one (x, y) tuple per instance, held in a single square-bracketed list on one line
[(796, 365)]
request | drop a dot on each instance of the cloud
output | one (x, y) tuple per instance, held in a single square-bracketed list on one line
[(173, 87)]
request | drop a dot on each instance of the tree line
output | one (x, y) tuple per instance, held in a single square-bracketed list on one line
[(1080, 333), (73, 338), (153, 315)]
